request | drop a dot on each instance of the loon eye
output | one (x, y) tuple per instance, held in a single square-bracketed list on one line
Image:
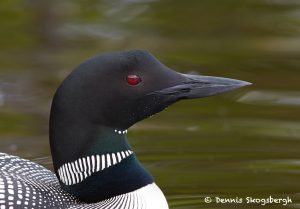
[(133, 80)]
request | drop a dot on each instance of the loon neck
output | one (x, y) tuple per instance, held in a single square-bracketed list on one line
[(99, 167), (107, 140)]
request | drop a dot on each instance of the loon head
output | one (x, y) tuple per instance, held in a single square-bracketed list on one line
[(96, 104)]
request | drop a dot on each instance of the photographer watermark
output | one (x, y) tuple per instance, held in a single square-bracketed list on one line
[(249, 200)]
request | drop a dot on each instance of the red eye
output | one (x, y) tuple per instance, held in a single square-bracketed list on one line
[(133, 80)]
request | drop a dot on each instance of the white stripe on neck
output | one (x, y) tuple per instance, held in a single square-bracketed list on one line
[(75, 172)]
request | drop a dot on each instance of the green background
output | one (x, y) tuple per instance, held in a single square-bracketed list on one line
[(243, 143)]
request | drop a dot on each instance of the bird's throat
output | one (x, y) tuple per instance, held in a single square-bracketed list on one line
[(107, 168)]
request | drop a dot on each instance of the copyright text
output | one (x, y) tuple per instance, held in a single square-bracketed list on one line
[(249, 200)]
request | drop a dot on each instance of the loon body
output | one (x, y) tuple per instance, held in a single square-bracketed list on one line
[(91, 111), (25, 184)]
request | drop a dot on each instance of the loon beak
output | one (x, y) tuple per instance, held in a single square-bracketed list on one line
[(196, 86)]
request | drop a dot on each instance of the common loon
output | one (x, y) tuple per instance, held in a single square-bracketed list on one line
[(91, 112)]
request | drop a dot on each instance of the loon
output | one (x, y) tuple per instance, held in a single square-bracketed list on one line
[(91, 112)]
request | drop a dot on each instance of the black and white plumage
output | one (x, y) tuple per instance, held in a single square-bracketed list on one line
[(25, 184), (75, 172), (91, 111), (28, 185)]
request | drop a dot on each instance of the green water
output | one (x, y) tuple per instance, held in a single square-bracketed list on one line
[(243, 143)]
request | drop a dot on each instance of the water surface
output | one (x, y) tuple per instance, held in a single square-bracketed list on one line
[(243, 143)]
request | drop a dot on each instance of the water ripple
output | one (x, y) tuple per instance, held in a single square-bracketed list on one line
[(271, 98)]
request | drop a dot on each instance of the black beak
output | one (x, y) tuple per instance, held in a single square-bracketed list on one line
[(196, 86)]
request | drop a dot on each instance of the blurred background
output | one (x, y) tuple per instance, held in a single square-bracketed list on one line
[(243, 143)]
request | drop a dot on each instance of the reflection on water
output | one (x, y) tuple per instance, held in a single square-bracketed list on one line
[(271, 98), (241, 143)]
